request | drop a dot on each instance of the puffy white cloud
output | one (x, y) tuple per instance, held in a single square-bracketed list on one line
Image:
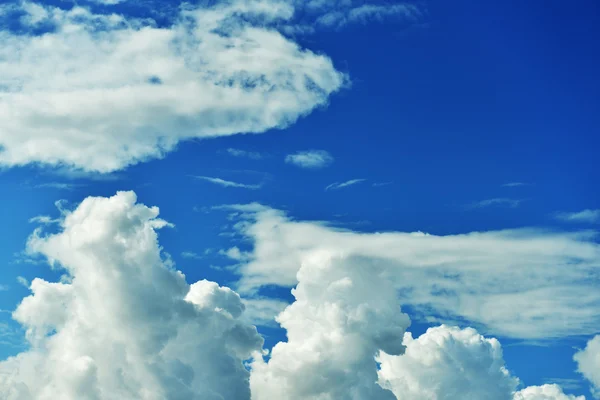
[(340, 319), (545, 392), (448, 363), (588, 363), (310, 159), (122, 323), (101, 92), (483, 277)]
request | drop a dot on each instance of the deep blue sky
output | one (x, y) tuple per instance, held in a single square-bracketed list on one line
[(474, 96)]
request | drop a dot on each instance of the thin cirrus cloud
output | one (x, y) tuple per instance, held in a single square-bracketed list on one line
[(199, 338), (229, 184), (310, 159), (253, 155), (367, 12), (496, 202), (341, 185), (515, 184), (584, 216), (155, 87)]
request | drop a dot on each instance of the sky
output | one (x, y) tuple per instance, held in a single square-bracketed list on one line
[(321, 199)]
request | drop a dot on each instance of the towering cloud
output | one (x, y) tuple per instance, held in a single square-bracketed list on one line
[(339, 321), (122, 323), (448, 363)]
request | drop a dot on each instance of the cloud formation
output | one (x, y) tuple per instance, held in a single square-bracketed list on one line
[(499, 201), (588, 364), (123, 324), (310, 159), (481, 277), (545, 392), (339, 321), (341, 185), (584, 216), (100, 92), (225, 183), (448, 363), (244, 153)]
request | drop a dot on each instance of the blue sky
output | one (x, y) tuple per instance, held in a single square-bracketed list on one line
[(447, 118)]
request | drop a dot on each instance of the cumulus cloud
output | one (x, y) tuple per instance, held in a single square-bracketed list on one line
[(545, 392), (482, 277), (340, 319), (588, 364), (448, 363), (310, 159), (584, 216), (99, 92), (123, 323), (341, 185), (231, 184)]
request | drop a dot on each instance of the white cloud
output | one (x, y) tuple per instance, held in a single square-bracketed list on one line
[(244, 153), (263, 310), (448, 363), (101, 92), (59, 186), (310, 159), (124, 324), (23, 281), (500, 201), (4, 288), (339, 321), (341, 185), (545, 392), (588, 364), (585, 216), (224, 183), (482, 277), (345, 13)]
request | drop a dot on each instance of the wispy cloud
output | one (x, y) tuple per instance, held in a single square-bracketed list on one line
[(195, 256), (515, 184), (43, 219), (499, 201), (225, 183), (253, 155), (565, 383), (4, 288), (23, 281), (59, 185), (340, 185), (310, 159), (365, 13), (380, 184), (585, 216)]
